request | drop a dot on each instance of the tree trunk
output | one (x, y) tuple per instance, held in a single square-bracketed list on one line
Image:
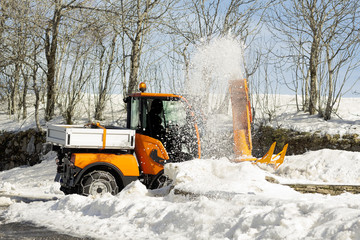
[(306, 91), (36, 89), (50, 53), (100, 106), (328, 108), (15, 89), (134, 64), (314, 59), (37, 100), (69, 113), (24, 93)]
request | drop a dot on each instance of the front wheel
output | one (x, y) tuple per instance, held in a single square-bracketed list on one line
[(97, 183), (160, 181)]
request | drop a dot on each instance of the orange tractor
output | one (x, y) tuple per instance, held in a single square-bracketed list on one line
[(161, 128)]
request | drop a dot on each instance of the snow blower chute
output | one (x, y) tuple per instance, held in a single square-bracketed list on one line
[(242, 119)]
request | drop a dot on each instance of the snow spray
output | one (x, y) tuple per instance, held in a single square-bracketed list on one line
[(213, 65)]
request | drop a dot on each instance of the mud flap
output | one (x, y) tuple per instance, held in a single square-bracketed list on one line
[(57, 177)]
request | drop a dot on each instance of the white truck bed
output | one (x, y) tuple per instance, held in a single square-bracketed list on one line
[(78, 136)]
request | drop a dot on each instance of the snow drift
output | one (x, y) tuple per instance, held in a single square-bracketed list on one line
[(234, 202)]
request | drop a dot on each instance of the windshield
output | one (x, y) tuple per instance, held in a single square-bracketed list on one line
[(174, 113)]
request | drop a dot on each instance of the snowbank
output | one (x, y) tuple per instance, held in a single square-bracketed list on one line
[(222, 177), (235, 202), (329, 166)]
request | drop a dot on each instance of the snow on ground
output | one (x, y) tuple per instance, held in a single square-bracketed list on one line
[(346, 121), (231, 201), (322, 166), (37, 180), (235, 202)]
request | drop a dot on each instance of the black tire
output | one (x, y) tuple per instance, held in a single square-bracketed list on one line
[(97, 183), (160, 181), (67, 191)]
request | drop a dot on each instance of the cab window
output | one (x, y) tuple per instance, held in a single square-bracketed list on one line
[(135, 114)]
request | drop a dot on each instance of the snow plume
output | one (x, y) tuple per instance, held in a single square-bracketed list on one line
[(213, 64)]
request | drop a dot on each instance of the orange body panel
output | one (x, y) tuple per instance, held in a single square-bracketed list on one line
[(104, 134), (126, 163), (144, 145)]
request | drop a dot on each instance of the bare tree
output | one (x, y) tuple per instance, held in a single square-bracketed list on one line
[(135, 19), (35, 86), (105, 72), (294, 22), (51, 39), (61, 8), (318, 32), (4, 15), (74, 80), (341, 46), (212, 19), (15, 47)]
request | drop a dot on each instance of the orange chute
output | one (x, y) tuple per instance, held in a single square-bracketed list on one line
[(242, 119)]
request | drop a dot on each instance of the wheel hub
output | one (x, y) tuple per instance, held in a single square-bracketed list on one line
[(98, 183), (99, 187)]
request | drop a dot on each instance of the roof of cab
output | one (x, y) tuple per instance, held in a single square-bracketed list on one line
[(154, 95)]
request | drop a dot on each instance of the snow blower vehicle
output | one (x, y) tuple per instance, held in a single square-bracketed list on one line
[(95, 159), (161, 128)]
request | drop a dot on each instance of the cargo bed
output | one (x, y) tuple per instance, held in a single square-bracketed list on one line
[(80, 136)]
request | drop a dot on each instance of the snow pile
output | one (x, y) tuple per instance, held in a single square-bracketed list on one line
[(230, 201), (222, 177), (329, 166), (37, 180)]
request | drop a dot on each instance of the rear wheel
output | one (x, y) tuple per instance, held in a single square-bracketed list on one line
[(97, 183)]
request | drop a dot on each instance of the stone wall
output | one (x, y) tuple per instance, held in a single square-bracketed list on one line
[(325, 189), (332, 189), (301, 142), (20, 148)]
